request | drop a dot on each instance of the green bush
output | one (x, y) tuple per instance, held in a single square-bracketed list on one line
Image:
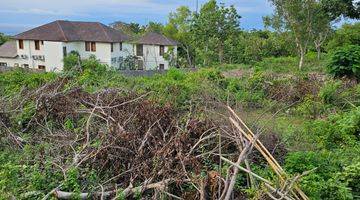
[(328, 93), (72, 64), (338, 131), (321, 183), (13, 81), (345, 62)]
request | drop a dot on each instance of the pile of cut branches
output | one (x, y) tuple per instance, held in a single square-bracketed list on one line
[(138, 146)]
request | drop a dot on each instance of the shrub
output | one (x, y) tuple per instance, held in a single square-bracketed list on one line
[(321, 183), (328, 92), (72, 64), (345, 62)]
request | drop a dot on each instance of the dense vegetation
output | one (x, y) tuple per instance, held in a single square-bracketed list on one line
[(91, 129)]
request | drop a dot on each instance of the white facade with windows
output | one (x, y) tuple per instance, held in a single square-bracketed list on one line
[(46, 46)]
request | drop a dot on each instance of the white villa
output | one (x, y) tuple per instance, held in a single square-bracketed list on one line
[(46, 46)]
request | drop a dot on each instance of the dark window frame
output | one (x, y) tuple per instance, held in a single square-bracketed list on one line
[(161, 67), (112, 47), (42, 67), (139, 50), (93, 46), (87, 46), (162, 50), (37, 45), (64, 51), (3, 64), (121, 46), (21, 44)]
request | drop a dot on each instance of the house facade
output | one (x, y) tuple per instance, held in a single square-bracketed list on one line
[(155, 51), (46, 46)]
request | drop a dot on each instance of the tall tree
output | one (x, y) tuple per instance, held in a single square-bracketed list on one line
[(154, 27), (3, 38), (178, 28), (297, 16), (342, 8), (212, 27), (321, 26)]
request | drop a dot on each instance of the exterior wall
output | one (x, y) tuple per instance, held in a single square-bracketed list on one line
[(103, 51), (11, 61), (53, 53), (53, 56), (117, 56), (152, 58)]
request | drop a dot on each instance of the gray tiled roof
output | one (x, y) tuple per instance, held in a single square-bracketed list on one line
[(8, 50), (68, 31), (156, 39)]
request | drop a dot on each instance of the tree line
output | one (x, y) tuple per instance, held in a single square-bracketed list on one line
[(214, 35)]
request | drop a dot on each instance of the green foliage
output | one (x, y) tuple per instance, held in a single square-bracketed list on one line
[(351, 176), (338, 131), (13, 81), (211, 28), (72, 64), (328, 92), (310, 108), (179, 87), (348, 34), (319, 184), (3, 38), (345, 62)]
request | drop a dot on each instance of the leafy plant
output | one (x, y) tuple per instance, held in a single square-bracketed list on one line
[(345, 62)]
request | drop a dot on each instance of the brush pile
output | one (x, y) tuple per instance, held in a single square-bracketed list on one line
[(136, 146)]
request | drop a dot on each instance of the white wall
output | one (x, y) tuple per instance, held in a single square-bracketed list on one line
[(152, 58), (10, 61), (103, 51), (53, 52), (117, 56), (53, 56)]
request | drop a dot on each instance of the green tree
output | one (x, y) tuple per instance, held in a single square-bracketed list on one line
[(178, 28), (348, 34), (320, 27), (3, 38), (212, 27), (298, 17), (344, 8), (154, 27)]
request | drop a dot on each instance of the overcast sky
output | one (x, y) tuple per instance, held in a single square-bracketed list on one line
[(19, 15)]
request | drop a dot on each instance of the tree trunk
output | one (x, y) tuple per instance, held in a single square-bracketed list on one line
[(221, 53), (188, 56), (318, 50), (302, 55)]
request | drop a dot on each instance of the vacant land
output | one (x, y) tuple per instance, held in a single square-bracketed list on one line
[(93, 130)]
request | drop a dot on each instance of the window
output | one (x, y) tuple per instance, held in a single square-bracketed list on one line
[(42, 42), (120, 46), (37, 45), (139, 50), (25, 65), (93, 46), (64, 51), (41, 67), (3, 64), (112, 47), (162, 50), (21, 44), (161, 66), (87, 46)]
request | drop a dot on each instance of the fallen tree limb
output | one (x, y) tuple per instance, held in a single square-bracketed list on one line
[(127, 192)]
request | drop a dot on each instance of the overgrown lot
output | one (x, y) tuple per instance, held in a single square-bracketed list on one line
[(94, 130)]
